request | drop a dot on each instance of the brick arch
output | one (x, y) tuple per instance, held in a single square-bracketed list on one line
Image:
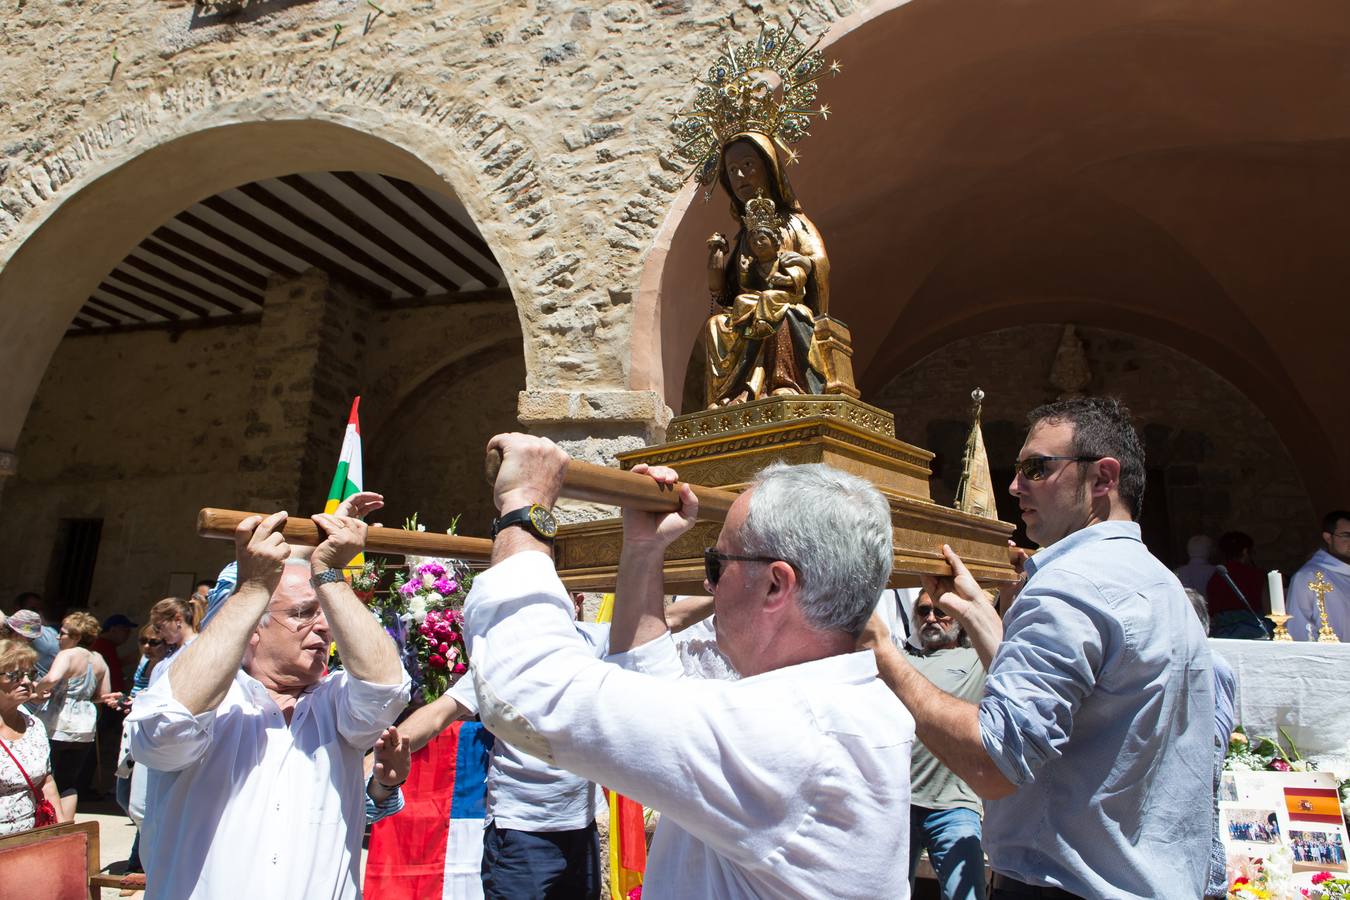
[(75, 214)]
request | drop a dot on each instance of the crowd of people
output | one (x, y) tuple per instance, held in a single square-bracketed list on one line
[(1073, 742)]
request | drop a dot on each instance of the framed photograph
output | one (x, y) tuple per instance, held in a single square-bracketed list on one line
[(1299, 810)]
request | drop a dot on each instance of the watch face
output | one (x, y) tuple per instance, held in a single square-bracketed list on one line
[(543, 521)]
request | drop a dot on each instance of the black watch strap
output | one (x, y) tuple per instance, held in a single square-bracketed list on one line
[(525, 517)]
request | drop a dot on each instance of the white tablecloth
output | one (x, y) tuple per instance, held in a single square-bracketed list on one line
[(1302, 687)]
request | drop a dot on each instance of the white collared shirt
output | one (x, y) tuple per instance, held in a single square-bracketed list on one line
[(793, 783), (242, 805)]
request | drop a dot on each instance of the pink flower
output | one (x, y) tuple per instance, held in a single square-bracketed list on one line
[(460, 668), (445, 648), (1321, 877), (445, 586), (409, 588), (452, 636), (436, 661), (1279, 765), (434, 569), (451, 586)]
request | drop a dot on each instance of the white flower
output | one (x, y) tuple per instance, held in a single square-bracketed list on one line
[(418, 607), (421, 527), (433, 598), (428, 580), (1299, 765)]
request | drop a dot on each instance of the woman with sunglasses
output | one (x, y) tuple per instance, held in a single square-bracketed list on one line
[(25, 755), (153, 650)]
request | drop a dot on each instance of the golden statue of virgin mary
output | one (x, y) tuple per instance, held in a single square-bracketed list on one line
[(769, 283)]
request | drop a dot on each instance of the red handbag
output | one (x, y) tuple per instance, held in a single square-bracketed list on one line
[(44, 813)]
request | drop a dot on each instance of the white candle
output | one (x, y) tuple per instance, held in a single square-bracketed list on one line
[(1276, 587)]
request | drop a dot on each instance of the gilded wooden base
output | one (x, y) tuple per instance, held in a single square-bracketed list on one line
[(726, 447)]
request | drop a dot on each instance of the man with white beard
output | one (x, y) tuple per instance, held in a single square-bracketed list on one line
[(944, 813)]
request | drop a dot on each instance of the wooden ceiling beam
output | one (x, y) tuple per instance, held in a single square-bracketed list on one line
[(261, 195), (152, 247), (299, 250), (422, 199), (182, 285), (168, 296), (102, 317), (381, 201), (251, 318), (131, 298), (329, 204), (108, 307), (243, 248)]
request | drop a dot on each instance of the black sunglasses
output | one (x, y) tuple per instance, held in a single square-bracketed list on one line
[(1033, 467), (921, 612), (151, 642), (712, 562)]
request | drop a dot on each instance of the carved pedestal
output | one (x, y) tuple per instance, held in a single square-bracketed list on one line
[(726, 447)]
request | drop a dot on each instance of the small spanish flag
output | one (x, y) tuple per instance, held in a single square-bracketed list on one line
[(1313, 805), (349, 478)]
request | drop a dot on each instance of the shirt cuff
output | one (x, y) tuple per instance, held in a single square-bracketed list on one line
[(1002, 740), (501, 584), (375, 698), (657, 657), (463, 692)]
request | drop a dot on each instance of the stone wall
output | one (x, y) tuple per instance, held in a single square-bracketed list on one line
[(1215, 462), (141, 429), (548, 119)]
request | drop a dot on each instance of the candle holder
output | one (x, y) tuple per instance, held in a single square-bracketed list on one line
[(1281, 634)]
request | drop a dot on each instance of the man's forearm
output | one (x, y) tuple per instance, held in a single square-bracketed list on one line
[(689, 611), (639, 604), (948, 726), (425, 724), (203, 673), (367, 652)]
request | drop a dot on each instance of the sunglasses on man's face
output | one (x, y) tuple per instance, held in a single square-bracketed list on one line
[(923, 611), (151, 642), (18, 675), (1033, 467), (712, 562)]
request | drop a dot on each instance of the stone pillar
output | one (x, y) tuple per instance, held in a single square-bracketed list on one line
[(307, 366)]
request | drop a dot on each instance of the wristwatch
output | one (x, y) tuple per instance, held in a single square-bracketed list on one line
[(533, 518), (331, 576)]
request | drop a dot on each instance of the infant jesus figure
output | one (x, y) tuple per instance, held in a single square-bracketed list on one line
[(771, 280)]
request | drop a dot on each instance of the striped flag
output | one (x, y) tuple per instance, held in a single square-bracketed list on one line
[(434, 847), (627, 826), (349, 478), (1312, 804)]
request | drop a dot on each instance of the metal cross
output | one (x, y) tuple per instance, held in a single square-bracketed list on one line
[(1321, 587)]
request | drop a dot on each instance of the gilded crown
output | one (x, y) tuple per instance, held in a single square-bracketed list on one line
[(767, 85), (761, 213)]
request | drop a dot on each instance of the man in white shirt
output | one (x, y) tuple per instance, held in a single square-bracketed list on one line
[(255, 782), (791, 782)]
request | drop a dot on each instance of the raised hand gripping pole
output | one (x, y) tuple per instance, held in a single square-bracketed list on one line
[(615, 487)]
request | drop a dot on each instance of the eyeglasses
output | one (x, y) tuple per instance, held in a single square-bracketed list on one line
[(18, 675), (1341, 534), (712, 562), (297, 618), (1033, 467), (151, 642), (923, 611)]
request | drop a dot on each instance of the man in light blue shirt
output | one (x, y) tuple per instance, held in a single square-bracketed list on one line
[(1093, 744)]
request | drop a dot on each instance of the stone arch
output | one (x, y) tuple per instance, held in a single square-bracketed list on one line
[(79, 210), (1122, 167)]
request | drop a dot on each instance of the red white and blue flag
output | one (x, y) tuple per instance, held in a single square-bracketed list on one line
[(434, 847)]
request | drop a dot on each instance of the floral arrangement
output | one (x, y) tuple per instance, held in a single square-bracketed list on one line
[(423, 612), (1268, 878), (1263, 754), (1326, 887)]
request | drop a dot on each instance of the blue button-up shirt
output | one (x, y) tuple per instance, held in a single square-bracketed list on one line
[(1099, 708)]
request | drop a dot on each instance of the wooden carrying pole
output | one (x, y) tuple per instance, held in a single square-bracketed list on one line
[(615, 487), (221, 523)]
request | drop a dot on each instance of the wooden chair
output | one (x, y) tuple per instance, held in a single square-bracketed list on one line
[(52, 863)]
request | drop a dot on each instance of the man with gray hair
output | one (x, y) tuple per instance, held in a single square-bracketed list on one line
[(791, 782), (253, 749)]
